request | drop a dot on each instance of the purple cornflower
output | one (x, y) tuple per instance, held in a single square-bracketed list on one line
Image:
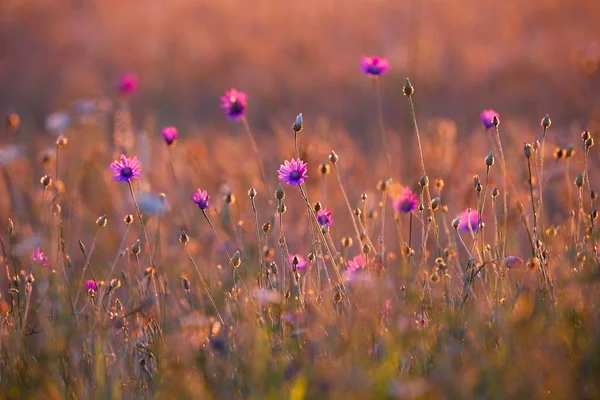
[(469, 220), (127, 169), (201, 198), (293, 172), (40, 258), (91, 285), (406, 202), (487, 116), (374, 65), (234, 103), (302, 263), (324, 217), (169, 134), (128, 83)]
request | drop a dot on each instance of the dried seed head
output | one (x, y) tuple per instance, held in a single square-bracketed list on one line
[(102, 221), (128, 219), (527, 150), (424, 181), (311, 256), (579, 180), (435, 204), (585, 135), (279, 193), (184, 238), (546, 121), (266, 227), (61, 141), (252, 193), (236, 260), (495, 121), (136, 248), (495, 193), (489, 160), (366, 249), (570, 152), (46, 181), (408, 89), (298, 123), (589, 143), (324, 169), (594, 214), (333, 157), (318, 206), (357, 212)]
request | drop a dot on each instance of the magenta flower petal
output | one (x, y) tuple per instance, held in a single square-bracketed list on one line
[(91, 286), (406, 202), (302, 263), (40, 258), (293, 172), (469, 220), (234, 103), (324, 217), (374, 65), (169, 134), (126, 169), (128, 83), (202, 199)]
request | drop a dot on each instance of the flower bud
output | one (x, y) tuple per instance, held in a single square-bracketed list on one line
[(101, 221), (324, 169), (266, 227), (424, 181), (279, 194), (585, 135), (318, 206), (366, 249), (252, 193), (408, 88), (456, 222), (298, 123), (128, 219), (46, 181), (579, 180), (184, 238), (333, 157), (489, 160), (527, 150), (136, 248), (236, 260), (546, 121)]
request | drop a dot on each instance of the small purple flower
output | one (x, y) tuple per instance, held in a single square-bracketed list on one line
[(169, 134), (324, 217), (469, 220), (293, 172), (201, 198), (302, 263), (91, 285), (127, 169), (374, 65), (234, 103), (128, 83), (513, 262), (357, 263), (487, 117), (40, 258), (406, 202)]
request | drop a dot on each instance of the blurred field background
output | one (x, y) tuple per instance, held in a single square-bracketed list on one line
[(522, 58)]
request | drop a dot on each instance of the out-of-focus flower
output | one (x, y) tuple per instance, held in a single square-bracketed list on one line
[(265, 296), (374, 65), (91, 285), (169, 134), (153, 203), (128, 83), (406, 202), (58, 122), (127, 169), (487, 116), (302, 263), (357, 263), (513, 262), (293, 172), (202, 199), (234, 103), (324, 217), (469, 219), (40, 258), (11, 153)]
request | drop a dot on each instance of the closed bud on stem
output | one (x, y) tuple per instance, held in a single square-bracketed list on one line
[(266, 227), (185, 282), (546, 121), (102, 221), (435, 204), (281, 208), (579, 180), (585, 135), (424, 181), (589, 143), (333, 158), (478, 188), (128, 219), (136, 248), (184, 238), (408, 89), (252, 193), (570, 151), (495, 193), (536, 145), (439, 184), (476, 180), (236, 260), (489, 160), (456, 222), (527, 150), (229, 198), (357, 212), (298, 123), (279, 193), (366, 249), (346, 241), (318, 206), (311, 256), (324, 169), (46, 181), (61, 141), (559, 153)]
